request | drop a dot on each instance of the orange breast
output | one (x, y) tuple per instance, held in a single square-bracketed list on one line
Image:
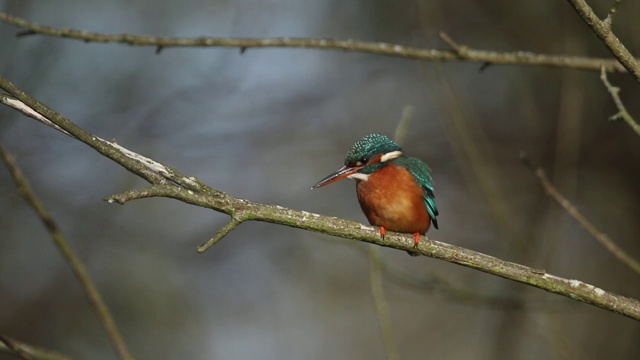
[(393, 199)]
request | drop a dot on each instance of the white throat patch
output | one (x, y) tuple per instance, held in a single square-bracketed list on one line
[(390, 156), (358, 176)]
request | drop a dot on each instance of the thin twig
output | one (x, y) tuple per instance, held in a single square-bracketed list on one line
[(459, 49), (471, 147), (15, 348), (380, 301), (135, 194), (375, 267), (402, 129), (226, 229), (379, 48), (465, 295), (9, 345), (459, 293), (601, 237), (603, 30), (188, 190), (26, 110), (622, 110), (612, 11), (90, 291)]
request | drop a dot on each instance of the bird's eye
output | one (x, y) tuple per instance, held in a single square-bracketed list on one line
[(363, 161)]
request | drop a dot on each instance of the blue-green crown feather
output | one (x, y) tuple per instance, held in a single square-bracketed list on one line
[(369, 146), (374, 144)]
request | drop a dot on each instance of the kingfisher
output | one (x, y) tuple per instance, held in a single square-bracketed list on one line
[(395, 191)]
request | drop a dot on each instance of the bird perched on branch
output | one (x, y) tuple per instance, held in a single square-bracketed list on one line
[(395, 191)]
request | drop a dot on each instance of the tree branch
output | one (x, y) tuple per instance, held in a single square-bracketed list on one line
[(15, 348), (407, 52), (26, 351), (381, 304), (604, 32), (463, 294), (601, 237), (90, 290), (191, 191), (232, 224), (622, 110), (375, 263), (612, 12)]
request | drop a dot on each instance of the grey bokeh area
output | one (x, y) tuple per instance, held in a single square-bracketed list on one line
[(266, 125)]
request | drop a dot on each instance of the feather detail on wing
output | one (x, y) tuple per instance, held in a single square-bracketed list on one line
[(422, 174)]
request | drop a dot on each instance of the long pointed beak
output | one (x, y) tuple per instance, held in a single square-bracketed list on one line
[(341, 173)]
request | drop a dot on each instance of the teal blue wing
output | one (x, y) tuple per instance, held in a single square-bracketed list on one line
[(422, 174)]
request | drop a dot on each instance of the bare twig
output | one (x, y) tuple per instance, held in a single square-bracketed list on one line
[(466, 295), (26, 110), (380, 301), (90, 291), (622, 110), (9, 345), (461, 50), (135, 194), (15, 348), (226, 229), (471, 147), (604, 32), (386, 49), (461, 294), (601, 237), (403, 125), (612, 11), (375, 264), (189, 190)]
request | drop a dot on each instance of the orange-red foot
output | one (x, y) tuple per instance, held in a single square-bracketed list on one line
[(416, 239), (416, 242), (383, 231)]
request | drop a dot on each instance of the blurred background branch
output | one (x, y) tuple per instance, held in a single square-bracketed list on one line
[(381, 304), (26, 351), (78, 268), (601, 237), (395, 50), (15, 348), (375, 261)]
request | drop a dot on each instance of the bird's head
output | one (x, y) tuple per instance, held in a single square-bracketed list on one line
[(365, 157)]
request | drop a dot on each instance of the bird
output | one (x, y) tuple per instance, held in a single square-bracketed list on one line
[(395, 191)]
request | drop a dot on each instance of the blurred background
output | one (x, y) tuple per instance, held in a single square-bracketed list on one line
[(267, 125)]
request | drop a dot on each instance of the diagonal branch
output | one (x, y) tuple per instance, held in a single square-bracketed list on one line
[(407, 52), (226, 229), (614, 91), (381, 304), (612, 12), (26, 351), (601, 237), (602, 28), (16, 348), (375, 263), (191, 191), (90, 291)]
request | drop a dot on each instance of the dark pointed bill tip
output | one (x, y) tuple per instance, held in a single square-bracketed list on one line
[(339, 174)]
